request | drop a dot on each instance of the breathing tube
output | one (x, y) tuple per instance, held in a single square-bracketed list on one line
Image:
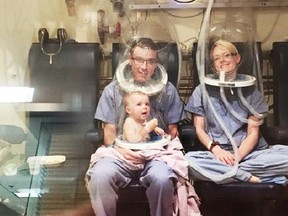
[(151, 87), (245, 103)]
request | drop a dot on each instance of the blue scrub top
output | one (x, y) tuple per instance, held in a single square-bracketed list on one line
[(237, 128)]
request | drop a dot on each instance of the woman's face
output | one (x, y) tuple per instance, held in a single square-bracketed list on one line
[(224, 60), (143, 62)]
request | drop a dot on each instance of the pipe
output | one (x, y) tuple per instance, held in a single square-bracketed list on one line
[(71, 7), (102, 29), (100, 26)]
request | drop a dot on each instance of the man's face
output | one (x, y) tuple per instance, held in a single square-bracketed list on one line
[(224, 60), (143, 62)]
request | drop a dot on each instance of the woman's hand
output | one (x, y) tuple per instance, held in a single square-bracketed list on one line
[(223, 155), (130, 155)]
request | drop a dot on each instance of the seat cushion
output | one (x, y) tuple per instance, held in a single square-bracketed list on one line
[(133, 193), (239, 190)]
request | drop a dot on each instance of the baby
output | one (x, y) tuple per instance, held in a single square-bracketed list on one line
[(136, 128)]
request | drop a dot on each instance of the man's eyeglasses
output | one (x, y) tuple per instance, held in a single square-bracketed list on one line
[(140, 61), (225, 56)]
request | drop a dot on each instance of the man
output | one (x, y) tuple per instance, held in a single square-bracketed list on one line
[(108, 175)]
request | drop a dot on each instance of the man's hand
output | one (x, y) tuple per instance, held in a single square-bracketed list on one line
[(173, 131), (130, 155)]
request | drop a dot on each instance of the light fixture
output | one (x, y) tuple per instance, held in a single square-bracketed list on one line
[(16, 94), (118, 6)]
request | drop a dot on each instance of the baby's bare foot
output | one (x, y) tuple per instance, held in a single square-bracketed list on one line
[(254, 179)]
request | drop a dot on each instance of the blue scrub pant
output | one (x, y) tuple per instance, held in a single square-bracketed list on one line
[(270, 165), (108, 175)]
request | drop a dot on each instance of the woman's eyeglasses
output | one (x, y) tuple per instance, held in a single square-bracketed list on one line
[(140, 61), (225, 56)]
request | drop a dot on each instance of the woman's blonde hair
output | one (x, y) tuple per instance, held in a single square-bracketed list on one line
[(226, 44)]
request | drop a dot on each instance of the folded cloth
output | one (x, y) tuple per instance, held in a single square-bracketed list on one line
[(186, 200)]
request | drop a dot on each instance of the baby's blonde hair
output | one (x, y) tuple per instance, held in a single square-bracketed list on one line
[(128, 95)]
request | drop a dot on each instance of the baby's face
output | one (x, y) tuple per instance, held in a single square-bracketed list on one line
[(138, 107)]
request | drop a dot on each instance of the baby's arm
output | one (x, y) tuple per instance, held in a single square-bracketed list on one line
[(151, 125), (131, 132)]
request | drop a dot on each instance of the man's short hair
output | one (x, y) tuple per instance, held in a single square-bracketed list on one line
[(144, 43)]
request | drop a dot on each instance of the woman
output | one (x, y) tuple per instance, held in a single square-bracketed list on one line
[(257, 162)]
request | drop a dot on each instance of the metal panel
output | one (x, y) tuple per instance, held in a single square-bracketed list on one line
[(217, 4)]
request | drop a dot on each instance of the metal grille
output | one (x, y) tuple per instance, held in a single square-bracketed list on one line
[(64, 183)]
